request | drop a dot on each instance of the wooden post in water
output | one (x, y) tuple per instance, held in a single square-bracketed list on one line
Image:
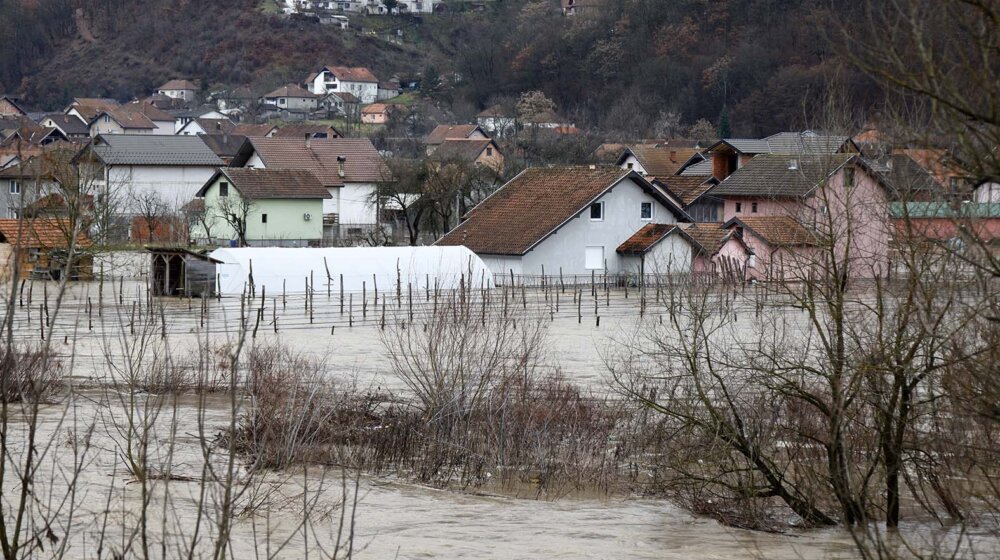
[(409, 296), (350, 310), (364, 299), (579, 307), (375, 287), (341, 294)]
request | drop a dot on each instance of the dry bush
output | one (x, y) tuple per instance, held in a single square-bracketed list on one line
[(28, 375)]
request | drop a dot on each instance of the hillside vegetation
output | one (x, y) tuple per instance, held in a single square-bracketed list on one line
[(635, 68)]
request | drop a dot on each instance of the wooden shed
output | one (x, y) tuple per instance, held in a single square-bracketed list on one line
[(41, 247), (182, 272)]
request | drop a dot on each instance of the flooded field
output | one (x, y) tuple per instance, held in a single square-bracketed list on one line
[(96, 325)]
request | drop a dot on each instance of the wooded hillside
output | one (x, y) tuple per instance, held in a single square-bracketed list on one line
[(633, 68)]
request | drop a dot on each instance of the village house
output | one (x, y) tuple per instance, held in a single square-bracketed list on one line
[(389, 90), (955, 224), (576, 7), (444, 132), (10, 108), (119, 121), (255, 130), (262, 207), (570, 219), (179, 89), (358, 81), (497, 121), (40, 247), (341, 103), (694, 194), (69, 126), (184, 116), (472, 151), (136, 170), (23, 184), (376, 113), (87, 109), (349, 168), (203, 125), (729, 154), (291, 98), (307, 130), (655, 160), (787, 208)]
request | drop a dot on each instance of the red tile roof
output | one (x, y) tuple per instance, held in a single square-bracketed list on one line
[(687, 188), (291, 90), (259, 184), (178, 85), (356, 74), (301, 130), (776, 230), (253, 130), (39, 233), (444, 132), (660, 160)]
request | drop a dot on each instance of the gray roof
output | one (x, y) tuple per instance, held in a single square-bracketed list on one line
[(788, 143), (780, 175), (150, 149), (700, 169), (906, 176)]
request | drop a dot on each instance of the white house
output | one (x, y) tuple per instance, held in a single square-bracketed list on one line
[(183, 117), (292, 98), (119, 121), (179, 89), (350, 168), (137, 170), (569, 218), (207, 126), (359, 82)]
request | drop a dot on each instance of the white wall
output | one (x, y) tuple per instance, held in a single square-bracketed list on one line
[(987, 192), (636, 166), (175, 185), (567, 246), (356, 204)]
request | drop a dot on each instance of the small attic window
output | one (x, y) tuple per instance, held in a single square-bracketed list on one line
[(223, 189), (597, 212)]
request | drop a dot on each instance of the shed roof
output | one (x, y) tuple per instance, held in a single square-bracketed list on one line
[(644, 239), (263, 184), (151, 149), (536, 203)]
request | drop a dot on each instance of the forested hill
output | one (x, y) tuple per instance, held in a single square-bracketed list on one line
[(632, 68)]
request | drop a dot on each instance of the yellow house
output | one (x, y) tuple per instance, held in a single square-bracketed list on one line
[(260, 207)]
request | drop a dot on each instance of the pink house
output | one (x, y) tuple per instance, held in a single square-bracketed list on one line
[(800, 214)]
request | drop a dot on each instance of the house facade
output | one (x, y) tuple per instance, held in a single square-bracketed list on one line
[(272, 207), (179, 89), (292, 98), (376, 113), (358, 81), (136, 170), (570, 219), (349, 168)]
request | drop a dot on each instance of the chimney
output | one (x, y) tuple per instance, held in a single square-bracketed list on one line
[(673, 156), (308, 140), (793, 165), (341, 161), (218, 126)]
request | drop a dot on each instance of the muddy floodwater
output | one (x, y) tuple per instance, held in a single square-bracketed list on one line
[(394, 518)]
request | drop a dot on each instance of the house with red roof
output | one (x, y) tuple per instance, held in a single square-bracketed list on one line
[(358, 81)]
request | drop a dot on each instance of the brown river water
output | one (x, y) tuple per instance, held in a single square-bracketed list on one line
[(394, 518)]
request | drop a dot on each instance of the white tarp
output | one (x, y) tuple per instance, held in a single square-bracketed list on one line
[(276, 268)]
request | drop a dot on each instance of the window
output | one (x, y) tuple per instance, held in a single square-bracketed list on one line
[(12, 213), (223, 189), (646, 211), (848, 176), (597, 212), (489, 152), (594, 258), (15, 187), (281, 101), (263, 218), (631, 165), (753, 207), (739, 207)]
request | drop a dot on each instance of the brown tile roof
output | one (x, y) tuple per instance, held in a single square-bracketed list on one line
[(356, 74), (660, 160), (253, 130), (178, 85), (151, 111), (39, 233), (782, 175), (127, 119), (90, 108), (291, 90), (687, 188), (530, 207), (375, 109), (710, 237), (776, 230), (644, 239), (362, 163), (300, 130), (443, 132), (467, 150), (260, 184)]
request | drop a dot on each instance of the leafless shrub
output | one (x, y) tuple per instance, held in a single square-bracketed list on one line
[(28, 375)]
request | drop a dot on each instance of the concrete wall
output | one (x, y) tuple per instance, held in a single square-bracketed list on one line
[(295, 103), (356, 204)]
